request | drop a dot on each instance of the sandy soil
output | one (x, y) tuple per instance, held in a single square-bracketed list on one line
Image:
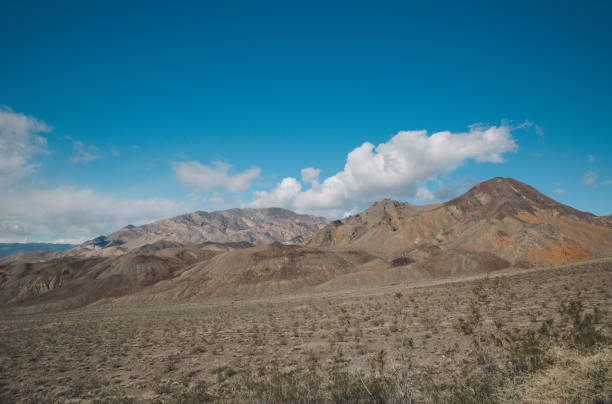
[(117, 351)]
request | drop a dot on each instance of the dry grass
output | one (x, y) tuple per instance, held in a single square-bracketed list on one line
[(388, 344), (574, 378)]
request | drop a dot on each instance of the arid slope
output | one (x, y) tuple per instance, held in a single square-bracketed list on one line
[(67, 282), (498, 224), (256, 226), (509, 222)]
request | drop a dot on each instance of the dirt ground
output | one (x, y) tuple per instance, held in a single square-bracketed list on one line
[(118, 353)]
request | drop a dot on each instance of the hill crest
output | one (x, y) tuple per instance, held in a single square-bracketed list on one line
[(502, 216), (255, 226)]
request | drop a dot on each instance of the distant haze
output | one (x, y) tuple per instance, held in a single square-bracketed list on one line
[(7, 249)]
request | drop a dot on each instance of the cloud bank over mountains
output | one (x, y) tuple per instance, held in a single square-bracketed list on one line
[(60, 213), (73, 214), (398, 168)]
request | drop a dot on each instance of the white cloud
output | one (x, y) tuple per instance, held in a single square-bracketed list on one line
[(559, 191), (284, 194), (83, 154), (76, 214), (606, 182), (310, 175), (591, 158), (539, 131), (217, 177), (590, 178), (526, 124), (19, 140), (398, 168)]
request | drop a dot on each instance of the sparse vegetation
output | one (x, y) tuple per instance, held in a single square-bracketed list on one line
[(463, 342)]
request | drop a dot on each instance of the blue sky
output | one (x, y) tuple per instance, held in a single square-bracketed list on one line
[(132, 111)]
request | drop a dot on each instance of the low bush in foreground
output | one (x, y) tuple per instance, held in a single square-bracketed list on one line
[(567, 361), (573, 378)]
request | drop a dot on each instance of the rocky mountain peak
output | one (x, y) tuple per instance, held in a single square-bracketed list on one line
[(500, 197)]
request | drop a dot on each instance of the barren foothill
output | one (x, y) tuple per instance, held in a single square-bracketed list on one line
[(214, 347)]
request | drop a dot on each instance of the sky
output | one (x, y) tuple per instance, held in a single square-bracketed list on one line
[(125, 112)]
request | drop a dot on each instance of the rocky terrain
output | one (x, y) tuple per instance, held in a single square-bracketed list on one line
[(135, 258), (498, 225), (503, 338), (73, 281), (256, 226), (499, 295)]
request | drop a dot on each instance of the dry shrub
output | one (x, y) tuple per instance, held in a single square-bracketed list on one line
[(574, 378)]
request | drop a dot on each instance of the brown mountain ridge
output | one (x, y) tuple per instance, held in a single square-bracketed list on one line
[(255, 226), (498, 224), (501, 216)]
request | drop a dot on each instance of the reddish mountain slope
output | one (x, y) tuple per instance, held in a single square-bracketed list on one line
[(502, 216)]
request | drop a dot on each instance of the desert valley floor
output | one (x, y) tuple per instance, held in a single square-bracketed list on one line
[(419, 336)]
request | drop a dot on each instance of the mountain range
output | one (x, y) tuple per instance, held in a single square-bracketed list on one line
[(255, 226), (498, 224), (504, 217)]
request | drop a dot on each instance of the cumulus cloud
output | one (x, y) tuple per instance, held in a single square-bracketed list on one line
[(398, 168), (216, 177), (62, 213), (559, 191), (76, 214), (591, 158), (590, 178), (83, 154), (310, 175), (20, 139)]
